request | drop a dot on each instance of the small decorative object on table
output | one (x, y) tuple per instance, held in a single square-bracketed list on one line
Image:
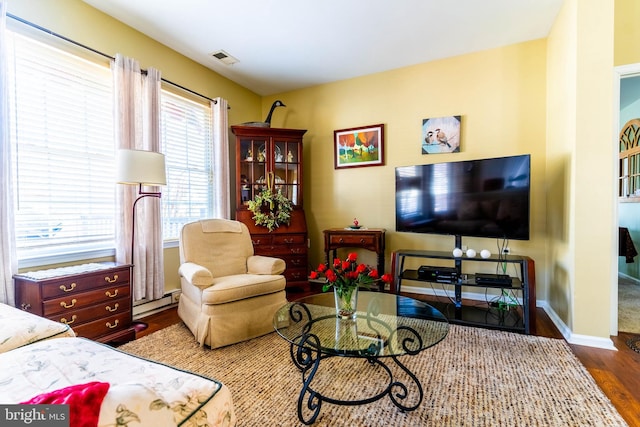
[(345, 276), (356, 225)]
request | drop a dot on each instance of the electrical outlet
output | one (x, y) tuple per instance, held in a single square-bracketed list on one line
[(506, 251)]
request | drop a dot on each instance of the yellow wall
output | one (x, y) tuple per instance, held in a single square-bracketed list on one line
[(580, 164), (80, 22), (500, 95), (627, 32)]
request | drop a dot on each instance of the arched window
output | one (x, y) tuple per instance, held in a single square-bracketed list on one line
[(629, 163)]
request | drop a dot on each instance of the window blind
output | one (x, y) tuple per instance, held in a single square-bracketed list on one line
[(187, 144), (62, 138)]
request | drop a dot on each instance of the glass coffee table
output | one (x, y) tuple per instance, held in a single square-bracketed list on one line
[(385, 327)]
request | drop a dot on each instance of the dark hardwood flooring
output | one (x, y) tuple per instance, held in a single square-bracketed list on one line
[(617, 373)]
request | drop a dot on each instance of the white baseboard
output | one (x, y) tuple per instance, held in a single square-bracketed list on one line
[(577, 339), (569, 336), (630, 278)]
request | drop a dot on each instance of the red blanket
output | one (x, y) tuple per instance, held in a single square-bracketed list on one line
[(84, 402)]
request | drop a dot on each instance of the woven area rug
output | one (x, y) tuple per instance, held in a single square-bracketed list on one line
[(475, 377)]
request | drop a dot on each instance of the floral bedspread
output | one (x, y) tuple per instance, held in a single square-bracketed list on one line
[(18, 328), (141, 393)]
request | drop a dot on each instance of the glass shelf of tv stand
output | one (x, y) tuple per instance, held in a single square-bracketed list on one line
[(465, 280)]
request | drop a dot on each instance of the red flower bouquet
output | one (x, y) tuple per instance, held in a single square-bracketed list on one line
[(347, 275)]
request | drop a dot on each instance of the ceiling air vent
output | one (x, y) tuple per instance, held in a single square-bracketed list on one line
[(224, 57)]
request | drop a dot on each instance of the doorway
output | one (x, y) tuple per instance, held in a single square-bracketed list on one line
[(626, 289)]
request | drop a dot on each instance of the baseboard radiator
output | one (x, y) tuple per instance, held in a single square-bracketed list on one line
[(145, 308)]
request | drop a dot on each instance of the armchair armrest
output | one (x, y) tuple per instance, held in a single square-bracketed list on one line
[(258, 264), (196, 274)]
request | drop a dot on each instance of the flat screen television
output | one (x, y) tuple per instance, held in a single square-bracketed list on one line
[(476, 198)]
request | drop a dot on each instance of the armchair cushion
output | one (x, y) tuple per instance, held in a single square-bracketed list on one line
[(258, 264), (196, 274), (241, 286)]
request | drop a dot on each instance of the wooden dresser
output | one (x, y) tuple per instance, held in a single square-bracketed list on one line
[(94, 299), (287, 242)]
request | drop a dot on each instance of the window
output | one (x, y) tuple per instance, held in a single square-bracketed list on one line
[(187, 144), (629, 167), (61, 133), (62, 136)]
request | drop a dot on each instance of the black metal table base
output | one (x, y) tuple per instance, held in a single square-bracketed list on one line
[(307, 359)]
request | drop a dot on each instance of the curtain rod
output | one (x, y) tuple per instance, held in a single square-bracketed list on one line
[(60, 36)]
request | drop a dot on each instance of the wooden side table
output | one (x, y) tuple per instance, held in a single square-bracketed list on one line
[(368, 238)]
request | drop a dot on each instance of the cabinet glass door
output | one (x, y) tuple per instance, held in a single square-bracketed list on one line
[(287, 169), (253, 167)]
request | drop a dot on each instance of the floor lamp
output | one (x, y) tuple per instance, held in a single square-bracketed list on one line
[(141, 168)]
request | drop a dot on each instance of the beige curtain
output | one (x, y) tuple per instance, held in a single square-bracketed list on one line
[(138, 127), (220, 159), (8, 257)]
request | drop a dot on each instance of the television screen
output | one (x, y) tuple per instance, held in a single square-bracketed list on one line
[(477, 198)]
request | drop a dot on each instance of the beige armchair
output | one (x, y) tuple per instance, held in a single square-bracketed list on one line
[(228, 293)]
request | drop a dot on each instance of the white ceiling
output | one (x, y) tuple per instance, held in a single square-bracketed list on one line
[(284, 45)]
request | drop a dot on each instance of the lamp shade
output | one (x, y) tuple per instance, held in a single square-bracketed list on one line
[(140, 167)]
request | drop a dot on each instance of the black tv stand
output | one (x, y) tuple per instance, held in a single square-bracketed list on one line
[(517, 315)]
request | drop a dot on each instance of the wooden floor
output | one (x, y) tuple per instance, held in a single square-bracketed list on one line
[(617, 373)]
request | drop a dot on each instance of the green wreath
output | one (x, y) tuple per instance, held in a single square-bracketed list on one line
[(270, 209)]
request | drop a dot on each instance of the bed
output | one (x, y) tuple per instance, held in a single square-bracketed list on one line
[(43, 362), (149, 393), (19, 328)]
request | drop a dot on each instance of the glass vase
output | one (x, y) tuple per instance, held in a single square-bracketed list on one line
[(346, 302)]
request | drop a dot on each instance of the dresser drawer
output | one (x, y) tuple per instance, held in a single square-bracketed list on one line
[(72, 285), (279, 251), (261, 240), (104, 326), (296, 274), (77, 317), (289, 239), (80, 300), (295, 261), (353, 239)]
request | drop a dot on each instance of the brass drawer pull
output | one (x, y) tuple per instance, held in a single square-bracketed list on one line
[(288, 241), (110, 295), (110, 280), (64, 304), (115, 325), (65, 289), (68, 322), (115, 307)]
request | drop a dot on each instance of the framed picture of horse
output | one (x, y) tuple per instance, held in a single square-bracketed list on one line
[(359, 146)]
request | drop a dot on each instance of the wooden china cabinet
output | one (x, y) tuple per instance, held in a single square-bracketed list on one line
[(264, 155)]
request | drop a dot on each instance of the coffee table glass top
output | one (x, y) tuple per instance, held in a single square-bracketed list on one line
[(385, 325)]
